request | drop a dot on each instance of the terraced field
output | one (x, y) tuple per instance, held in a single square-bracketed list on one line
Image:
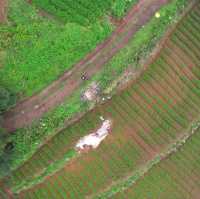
[(147, 117), (178, 176)]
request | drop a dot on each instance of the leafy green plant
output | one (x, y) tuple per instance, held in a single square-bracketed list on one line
[(4, 99), (79, 11), (120, 7)]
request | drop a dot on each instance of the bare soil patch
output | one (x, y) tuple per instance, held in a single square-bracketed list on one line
[(3, 11)]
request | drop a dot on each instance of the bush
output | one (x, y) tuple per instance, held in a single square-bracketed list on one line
[(3, 139), (4, 99), (6, 150)]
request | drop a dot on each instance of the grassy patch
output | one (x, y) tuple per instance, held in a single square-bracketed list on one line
[(34, 50), (84, 11), (79, 11), (39, 50)]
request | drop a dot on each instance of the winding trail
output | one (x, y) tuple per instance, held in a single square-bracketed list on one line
[(34, 107)]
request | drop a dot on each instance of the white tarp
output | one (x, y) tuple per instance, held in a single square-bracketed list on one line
[(94, 139)]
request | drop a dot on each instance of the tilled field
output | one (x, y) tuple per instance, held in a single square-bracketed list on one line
[(150, 114), (175, 177)]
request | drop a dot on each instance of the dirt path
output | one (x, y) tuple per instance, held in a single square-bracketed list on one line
[(34, 107), (3, 11)]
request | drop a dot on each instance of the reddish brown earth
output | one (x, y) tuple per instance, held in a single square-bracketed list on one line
[(115, 21), (34, 107), (3, 11), (7, 193)]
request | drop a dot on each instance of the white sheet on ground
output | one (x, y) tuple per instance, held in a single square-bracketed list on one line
[(94, 139)]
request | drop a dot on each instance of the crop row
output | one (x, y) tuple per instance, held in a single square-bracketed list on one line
[(146, 117), (54, 149), (178, 176)]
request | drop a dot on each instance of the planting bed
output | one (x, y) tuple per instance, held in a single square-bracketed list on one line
[(177, 176), (146, 117)]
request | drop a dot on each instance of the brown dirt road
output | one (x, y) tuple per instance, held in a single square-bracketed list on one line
[(3, 11), (34, 107)]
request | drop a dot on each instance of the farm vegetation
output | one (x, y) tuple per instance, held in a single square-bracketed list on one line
[(138, 143), (39, 50), (32, 60), (84, 11), (177, 173), (151, 115), (28, 139)]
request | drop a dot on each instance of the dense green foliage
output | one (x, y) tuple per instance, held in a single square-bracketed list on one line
[(28, 139), (84, 11), (7, 99), (4, 99), (3, 139), (6, 152), (120, 7), (35, 50), (79, 11), (40, 50)]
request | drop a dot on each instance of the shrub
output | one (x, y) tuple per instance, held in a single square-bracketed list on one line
[(4, 99)]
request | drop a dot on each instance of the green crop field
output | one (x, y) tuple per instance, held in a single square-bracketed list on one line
[(177, 176), (146, 118), (28, 139)]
